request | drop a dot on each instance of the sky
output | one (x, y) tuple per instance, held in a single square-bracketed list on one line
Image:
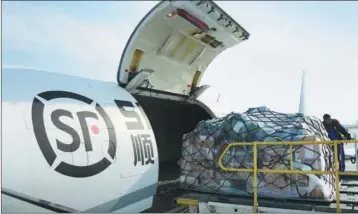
[(86, 38)]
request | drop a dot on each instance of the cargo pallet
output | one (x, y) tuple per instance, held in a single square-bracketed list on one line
[(346, 198)]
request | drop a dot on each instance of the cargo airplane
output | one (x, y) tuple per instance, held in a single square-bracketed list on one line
[(72, 144)]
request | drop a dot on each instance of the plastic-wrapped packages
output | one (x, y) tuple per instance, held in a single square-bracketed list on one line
[(203, 146)]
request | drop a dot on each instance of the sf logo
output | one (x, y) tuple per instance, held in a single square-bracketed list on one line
[(57, 117)]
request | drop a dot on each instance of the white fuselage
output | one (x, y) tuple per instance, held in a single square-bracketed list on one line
[(72, 178)]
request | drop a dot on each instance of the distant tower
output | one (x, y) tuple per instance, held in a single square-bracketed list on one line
[(301, 108)]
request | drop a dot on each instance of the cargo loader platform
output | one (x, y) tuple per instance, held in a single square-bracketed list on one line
[(229, 203), (346, 198)]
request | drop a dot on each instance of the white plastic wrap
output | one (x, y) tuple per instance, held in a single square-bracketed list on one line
[(203, 146)]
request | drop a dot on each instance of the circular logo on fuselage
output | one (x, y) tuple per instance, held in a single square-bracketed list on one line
[(56, 116)]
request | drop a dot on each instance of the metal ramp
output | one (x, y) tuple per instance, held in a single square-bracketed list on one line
[(348, 202), (349, 194), (186, 200), (171, 198)]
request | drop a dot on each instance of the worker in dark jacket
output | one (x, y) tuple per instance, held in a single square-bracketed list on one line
[(336, 132)]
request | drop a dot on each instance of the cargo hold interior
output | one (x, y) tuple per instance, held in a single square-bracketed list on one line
[(170, 120)]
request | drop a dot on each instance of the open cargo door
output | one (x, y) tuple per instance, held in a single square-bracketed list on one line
[(170, 49)]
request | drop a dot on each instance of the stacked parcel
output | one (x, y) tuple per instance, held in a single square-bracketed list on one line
[(203, 146)]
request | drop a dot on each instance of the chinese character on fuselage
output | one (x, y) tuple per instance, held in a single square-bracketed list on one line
[(143, 149)]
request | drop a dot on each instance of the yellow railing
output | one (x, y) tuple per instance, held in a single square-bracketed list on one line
[(255, 170)]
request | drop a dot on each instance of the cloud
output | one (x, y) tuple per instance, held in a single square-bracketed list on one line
[(97, 46), (266, 69), (18, 67), (286, 37)]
